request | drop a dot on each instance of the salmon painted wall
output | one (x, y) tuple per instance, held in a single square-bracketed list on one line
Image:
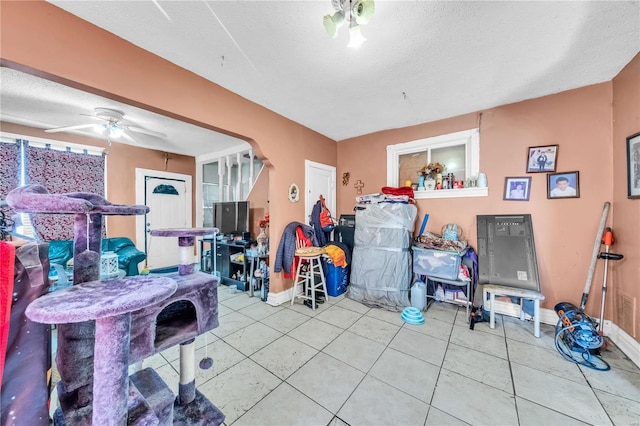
[(41, 39), (625, 274), (122, 162), (579, 121)]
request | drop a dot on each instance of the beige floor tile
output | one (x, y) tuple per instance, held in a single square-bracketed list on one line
[(259, 311), (315, 333), (301, 308), (354, 350), (522, 331), (239, 388), (228, 292), (433, 327), (358, 307), (545, 360), (284, 356), (376, 403), (615, 381), (374, 329), (484, 368), (384, 315), (440, 418), (223, 310), (622, 411), (406, 373), (285, 320), (419, 345), (479, 341), (340, 317), (472, 401), (326, 380), (242, 301), (231, 323), (531, 414), (559, 394), (252, 338), (293, 408)]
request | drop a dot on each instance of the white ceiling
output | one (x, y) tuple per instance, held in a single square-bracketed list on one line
[(422, 61)]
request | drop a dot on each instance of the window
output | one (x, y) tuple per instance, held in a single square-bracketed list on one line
[(459, 152)]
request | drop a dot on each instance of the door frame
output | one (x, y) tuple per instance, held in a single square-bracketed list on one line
[(141, 179), (330, 199)]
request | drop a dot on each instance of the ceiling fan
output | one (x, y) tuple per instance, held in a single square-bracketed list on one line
[(112, 125)]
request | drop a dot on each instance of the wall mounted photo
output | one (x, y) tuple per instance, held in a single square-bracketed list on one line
[(563, 185), (633, 166), (542, 159), (517, 188), (294, 193)]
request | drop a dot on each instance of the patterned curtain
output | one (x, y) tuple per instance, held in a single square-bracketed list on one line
[(61, 172), (9, 171)]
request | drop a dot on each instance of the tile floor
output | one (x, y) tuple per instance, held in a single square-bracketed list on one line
[(347, 364)]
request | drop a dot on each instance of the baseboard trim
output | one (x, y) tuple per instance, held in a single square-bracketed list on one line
[(277, 299)]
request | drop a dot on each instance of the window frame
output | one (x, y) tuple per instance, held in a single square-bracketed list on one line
[(471, 141)]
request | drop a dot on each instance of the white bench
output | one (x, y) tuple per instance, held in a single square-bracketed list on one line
[(493, 290)]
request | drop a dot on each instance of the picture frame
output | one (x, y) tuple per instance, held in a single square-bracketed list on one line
[(633, 166), (542, 159), (563, 185), (294, 193), (517, 188)]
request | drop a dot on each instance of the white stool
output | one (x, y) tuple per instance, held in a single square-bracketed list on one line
[(492, 290), (311, 256)]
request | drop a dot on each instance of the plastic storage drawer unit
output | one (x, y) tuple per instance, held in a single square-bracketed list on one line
[(436, 263)]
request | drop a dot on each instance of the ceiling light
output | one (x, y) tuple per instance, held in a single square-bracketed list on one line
[(112, 130), (356, 12), (355, 36)]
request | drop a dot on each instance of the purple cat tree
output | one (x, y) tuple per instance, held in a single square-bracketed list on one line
[(135, 317)]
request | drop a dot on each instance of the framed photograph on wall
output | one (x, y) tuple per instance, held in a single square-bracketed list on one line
[(563, 185), (542, 159), (633, 166), (517, 188)]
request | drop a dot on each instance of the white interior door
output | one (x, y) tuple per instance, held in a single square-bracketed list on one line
[(168, 196), (320, 179)]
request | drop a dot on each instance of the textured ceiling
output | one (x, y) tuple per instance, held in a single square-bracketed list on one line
[(422, 61)]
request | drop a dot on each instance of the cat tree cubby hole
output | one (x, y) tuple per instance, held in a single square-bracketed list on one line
[(177, 320)]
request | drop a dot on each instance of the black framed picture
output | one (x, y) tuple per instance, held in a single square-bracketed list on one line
[(542, 159), (563, 185), (633, 166), (517, 188)]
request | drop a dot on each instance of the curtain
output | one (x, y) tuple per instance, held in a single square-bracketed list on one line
[(9, 172), (61, 172), (9, 168)]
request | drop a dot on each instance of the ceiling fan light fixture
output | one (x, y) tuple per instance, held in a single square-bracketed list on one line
[(116, 131), (333, 22), (356, 12), (355, 37), (112, 130), (363, 10)]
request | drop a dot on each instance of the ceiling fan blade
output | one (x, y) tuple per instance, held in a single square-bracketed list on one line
[(64, 129), (93, 116), (146, 132), (129, 139)]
